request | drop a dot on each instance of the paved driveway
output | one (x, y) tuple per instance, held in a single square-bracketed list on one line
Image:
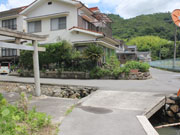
[(162, 82)]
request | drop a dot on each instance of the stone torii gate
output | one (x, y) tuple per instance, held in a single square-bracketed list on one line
[(26, 36)]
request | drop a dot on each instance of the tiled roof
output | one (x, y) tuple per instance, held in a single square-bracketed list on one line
[(94, 9), (12, 12)]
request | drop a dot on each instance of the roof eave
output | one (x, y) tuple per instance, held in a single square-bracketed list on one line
[(87, 32), (38, 1)]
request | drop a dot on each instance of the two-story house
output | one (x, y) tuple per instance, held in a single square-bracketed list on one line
[(11, 19), (67, 20)]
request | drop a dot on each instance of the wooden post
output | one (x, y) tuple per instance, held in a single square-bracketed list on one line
[(17, 41), (36, 69)]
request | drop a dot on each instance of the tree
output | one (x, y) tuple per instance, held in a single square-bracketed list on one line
[(158, 24), (56, 53), (94, 53), (149, 43)]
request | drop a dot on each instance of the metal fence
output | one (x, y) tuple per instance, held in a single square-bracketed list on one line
[(166, 64)]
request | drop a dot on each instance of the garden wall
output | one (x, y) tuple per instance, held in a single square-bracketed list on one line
[(56, 74), (84, 75)]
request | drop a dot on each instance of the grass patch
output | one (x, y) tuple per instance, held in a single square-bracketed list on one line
[(18, 120), (70, 110)]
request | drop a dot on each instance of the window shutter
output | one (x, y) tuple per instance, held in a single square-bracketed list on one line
[(54, 24), (31, 27), (62, 23)]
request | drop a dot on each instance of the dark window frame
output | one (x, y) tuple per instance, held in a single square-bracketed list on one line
[(10, 24), (36, 30), (6, 52)]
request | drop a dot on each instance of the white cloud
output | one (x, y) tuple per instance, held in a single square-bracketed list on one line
[(134, 8), (125, 8), (17, 3), (14, 3), (90, 1)]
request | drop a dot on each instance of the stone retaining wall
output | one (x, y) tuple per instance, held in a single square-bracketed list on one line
[(62, 91), (139, 76), (172, 109)]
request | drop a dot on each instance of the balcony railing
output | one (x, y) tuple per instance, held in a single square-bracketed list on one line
[(97, 26), (104, 28)]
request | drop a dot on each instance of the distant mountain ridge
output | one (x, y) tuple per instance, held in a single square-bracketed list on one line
[(159, 24)]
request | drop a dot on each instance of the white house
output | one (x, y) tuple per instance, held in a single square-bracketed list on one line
[(67, 20), (11, 19)]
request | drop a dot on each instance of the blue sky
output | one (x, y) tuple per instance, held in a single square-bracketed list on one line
[(125, 8), (3, 1)]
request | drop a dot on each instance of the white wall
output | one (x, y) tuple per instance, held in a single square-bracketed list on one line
[(56, 7), (71, 18), (21, 23)]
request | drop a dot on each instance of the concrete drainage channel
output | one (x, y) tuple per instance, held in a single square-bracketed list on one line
[(166, 119), (61, 91), (144, 119)]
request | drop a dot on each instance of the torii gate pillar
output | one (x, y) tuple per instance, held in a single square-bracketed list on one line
[(36, 68)]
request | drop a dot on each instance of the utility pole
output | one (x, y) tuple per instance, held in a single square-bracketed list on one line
[(160, 53), (175, 39)]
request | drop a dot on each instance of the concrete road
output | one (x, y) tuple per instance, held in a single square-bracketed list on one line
[(55, 107), (113, 109), (110, 113), (162, 82)]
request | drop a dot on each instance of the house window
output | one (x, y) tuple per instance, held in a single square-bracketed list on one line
[(10, 24), (9, 52), (34, 27), (58, 23)]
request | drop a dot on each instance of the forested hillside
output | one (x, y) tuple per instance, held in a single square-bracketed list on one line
[(159, 24)]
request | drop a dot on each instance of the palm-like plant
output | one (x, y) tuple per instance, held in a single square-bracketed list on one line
[(93, 53)]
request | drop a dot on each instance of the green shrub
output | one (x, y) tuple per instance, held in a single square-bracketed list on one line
[(117, 72), (61, 55), (93, 53), (96, 73), (16, 121), (112, 63), (142, 67)]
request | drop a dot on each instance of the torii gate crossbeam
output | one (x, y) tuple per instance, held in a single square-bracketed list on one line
[(34, 38)]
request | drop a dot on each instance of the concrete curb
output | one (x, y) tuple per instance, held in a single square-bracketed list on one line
[(153, 109), (51, 84), (86, 98), (143, 119), (147, 125)]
